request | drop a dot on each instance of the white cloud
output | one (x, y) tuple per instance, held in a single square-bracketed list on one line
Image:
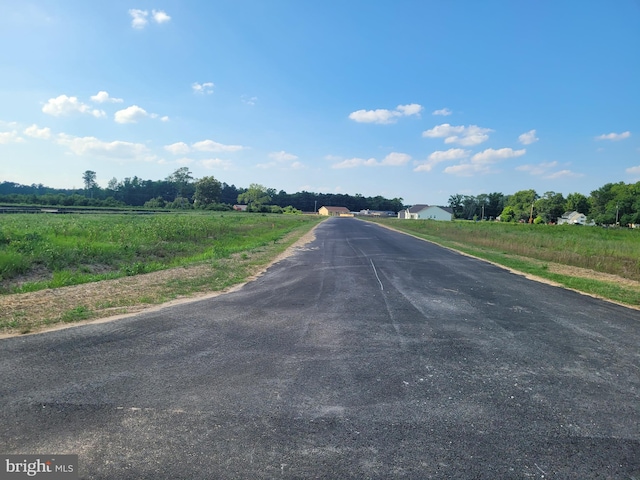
[(492, 156), (160, 16), (164, 118), (282, 156), (355, 162), (466, 136), (528, 138), (130, 114), (116, 149), (10, 137), (411, 109), (614, 136), (102, 97), (539, 169), (544, 170), (563, 174), (467, 169), (394, 159), (633, 170), (203, 88), (138, 18), (178, 148), (445, 112), (481, 162), (212, 163), (383, 116), (211, 146), (441, 156), (64, 105), (35, 132), (247, 100)]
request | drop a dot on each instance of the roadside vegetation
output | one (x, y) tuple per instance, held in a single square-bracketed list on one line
[(181, 253), (593, 260)]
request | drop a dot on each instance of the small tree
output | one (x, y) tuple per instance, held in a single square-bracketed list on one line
[(255, 197)]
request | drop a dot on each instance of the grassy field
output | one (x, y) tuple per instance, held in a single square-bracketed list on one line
[(142, 260), (39, 251), (542, 250)]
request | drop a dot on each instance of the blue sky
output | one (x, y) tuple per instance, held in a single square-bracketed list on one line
[(412, 99)]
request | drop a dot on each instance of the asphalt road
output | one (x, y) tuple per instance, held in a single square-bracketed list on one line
[(367, 354)]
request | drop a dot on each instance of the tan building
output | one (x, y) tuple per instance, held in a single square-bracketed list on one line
[(335, 212)]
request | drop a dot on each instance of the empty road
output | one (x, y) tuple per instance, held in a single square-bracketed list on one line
[(365, 354)]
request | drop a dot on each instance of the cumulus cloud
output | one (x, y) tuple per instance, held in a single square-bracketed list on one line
[(384, 116), (10, 137), (282, 156), (633, 170), (563, 174), (211, 146), (466, 136), (481, 162), (212, 163), (538, 169), (394, 159), (445, 112), (35, 132), (203, 88), (103, 97), (64, 105), (528, 138), (492, 156), (160, 16), (140, 18), (545, 170), (614, 137), (116, 150), (441, 156), (131, 114), (178, 148)]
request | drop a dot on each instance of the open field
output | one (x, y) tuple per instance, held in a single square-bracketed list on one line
[(62, 269), (604, 262)]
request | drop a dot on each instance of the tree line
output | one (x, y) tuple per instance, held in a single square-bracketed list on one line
[(181, 190), (611, 204)]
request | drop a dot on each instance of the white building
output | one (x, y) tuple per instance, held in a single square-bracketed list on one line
[(427, 212)]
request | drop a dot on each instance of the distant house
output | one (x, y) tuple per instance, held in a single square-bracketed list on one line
[(334, 211), (240, 208), (411, 212), (573, 218), (428, 212)]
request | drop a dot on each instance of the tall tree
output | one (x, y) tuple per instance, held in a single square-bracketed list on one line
[(577, 202), (180, 179), (89, 179), (208, 191)]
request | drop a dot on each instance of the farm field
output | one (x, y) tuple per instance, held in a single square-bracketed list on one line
[(178, 253), (604, 262)]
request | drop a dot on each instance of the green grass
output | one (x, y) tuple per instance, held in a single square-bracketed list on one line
[(72, 249), (530, 249)]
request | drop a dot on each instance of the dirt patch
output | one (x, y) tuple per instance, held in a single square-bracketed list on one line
[(106, 300)]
